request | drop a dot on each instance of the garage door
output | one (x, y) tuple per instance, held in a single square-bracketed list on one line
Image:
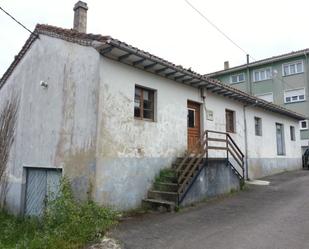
[(41, 185)]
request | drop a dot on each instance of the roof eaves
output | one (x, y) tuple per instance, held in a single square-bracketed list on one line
[(107, 43), (18, 58), (260, 62)]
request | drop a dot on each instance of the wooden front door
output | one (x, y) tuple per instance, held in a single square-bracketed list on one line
[(194, 124)]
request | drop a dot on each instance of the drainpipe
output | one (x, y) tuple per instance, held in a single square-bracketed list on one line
[(306, 79), (203, 96), (246, 139), (249, 85)]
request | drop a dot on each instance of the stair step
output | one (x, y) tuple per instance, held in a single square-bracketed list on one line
[(166, 186), (163, 195), (155, 204), (169, 179)]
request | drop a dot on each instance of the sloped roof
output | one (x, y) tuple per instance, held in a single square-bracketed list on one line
[(127, 54), (260, 62)]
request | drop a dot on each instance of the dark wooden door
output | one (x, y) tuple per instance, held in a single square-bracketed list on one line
[(194, 124)]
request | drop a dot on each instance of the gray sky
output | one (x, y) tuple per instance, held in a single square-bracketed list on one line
[(171, 29)]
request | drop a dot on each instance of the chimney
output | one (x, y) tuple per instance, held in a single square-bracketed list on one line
[(80, 17), (226, 65), (248, 59)]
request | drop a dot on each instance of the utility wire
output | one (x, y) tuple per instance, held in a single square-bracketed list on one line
[(218, 29), (17, 21), (227, 37)]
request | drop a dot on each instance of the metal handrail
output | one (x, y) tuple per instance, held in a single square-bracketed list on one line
[(230, 146), (192, 161)]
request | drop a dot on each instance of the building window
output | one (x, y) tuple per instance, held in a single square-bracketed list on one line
[(280, 139), (237, 78), (230, 120), (258, 126), (293, 68), (191, 118), (295, 95), (292, 133), (266, 96), (303, 125), (262, 74), (144, 103)]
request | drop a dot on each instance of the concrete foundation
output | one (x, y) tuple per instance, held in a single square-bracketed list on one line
[(215, 179), (260, 167)]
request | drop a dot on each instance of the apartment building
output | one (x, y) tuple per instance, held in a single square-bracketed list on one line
[(282, 80)]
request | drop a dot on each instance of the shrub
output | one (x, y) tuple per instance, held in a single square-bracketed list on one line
[(66, 224)]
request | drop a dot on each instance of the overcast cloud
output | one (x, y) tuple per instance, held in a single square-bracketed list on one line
[(170, 28)]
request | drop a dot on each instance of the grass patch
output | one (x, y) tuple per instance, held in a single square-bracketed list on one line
[(66, 224), (164, 175)]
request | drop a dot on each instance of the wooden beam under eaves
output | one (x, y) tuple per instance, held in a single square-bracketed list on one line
[(138, 62), (215, 90), (106, 50), (161, 70), (125, 56), (187, 80), (150, 65), (222, 91), (211, 87), (195, 83), (169, 74), (179, 77)]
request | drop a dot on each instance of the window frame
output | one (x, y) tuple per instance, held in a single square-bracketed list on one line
[(233, 130), (237, 75), (264, 94), (292, 133), (283, 146), (306, 128), (259, 71), (194, 115), (291, 97), (259, 132), (289, 65), (153, 92)]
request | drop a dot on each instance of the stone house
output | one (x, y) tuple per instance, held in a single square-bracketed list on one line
[(110, 116)]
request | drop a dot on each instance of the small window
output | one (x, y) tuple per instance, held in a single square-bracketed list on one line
[(280, 139), (144, 103), (230, 121), (237, 78), (191, 118), (303, 125), (294, 95), (262, 74), (293, 68), (292, 133), (258, 126)]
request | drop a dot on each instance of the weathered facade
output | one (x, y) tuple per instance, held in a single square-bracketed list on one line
[(77, 96)]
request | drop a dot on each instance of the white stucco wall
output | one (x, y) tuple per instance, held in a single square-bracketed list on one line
[(131, 152), (135, 150), (56, 126), (262, 150)]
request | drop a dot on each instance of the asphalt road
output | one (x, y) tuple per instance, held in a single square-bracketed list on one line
[(272, 217)]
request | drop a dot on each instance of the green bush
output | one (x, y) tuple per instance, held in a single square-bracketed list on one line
[(65, 224)]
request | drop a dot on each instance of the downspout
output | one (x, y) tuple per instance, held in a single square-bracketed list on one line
[(306, 79), (246, 139), (249, 88), (203, 96)]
